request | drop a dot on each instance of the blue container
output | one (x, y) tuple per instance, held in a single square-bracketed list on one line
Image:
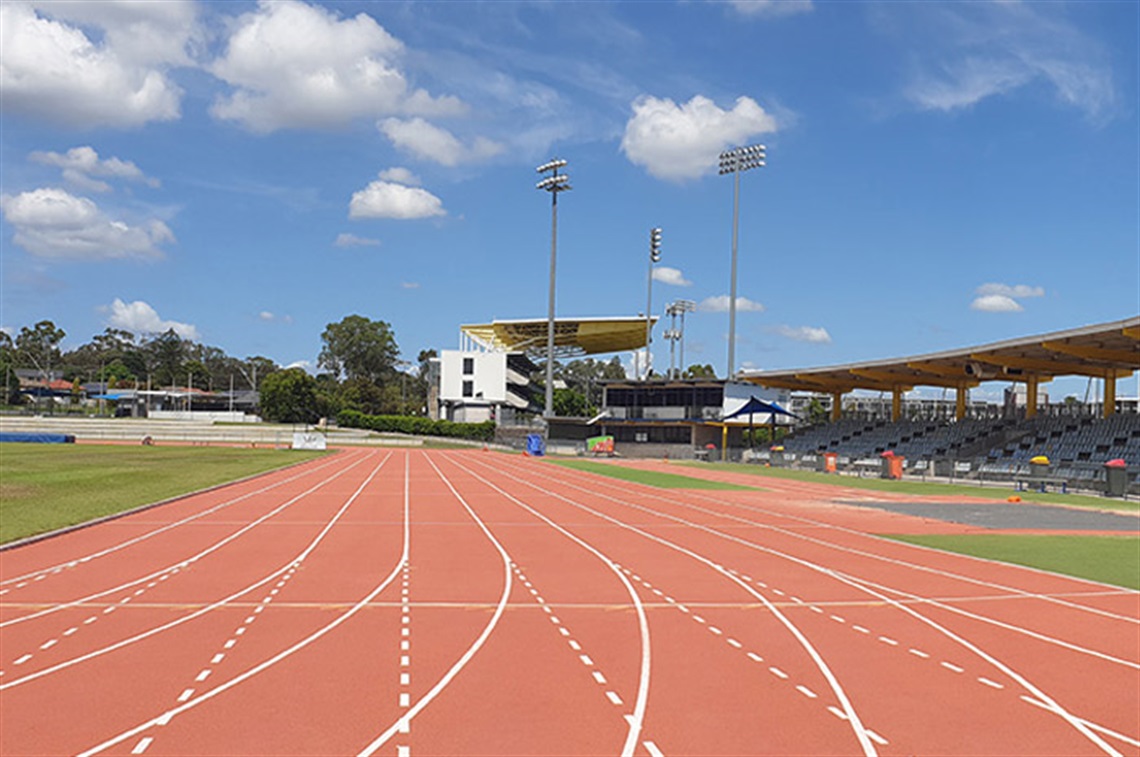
[(535, 446)]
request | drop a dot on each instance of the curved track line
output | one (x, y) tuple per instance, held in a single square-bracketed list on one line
[(134, 540), (198, 613), (881, 558), (241, 678), (637, 719), (853, 719), (1053, 706), (426, 699)]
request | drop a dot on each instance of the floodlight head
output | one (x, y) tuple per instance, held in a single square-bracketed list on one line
[(551, 165), (557, 183), (655, 244)]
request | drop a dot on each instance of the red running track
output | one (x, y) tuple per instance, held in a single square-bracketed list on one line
[(469, 603)]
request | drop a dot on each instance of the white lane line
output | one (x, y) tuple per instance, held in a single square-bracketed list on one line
[(797, 600), (778, 593), (755, 657), (49, 644), (599, 677), (885, 640), (613, 697), (652, 749), (682, 608), (186, 694), (405, 632), (229, 644), (952, 666), (553, 619), (563, 631), (585, 659), (22, 660), (70, 631), (919, 653), (405, 645), (876, 738), (403, 751), (217, 658), (203, 675), (698, 618), (405, 699), (404, 726), (575, 645), (405, 679), (405, 660), (778, 673), (860, 629), (91, 620), (991, 684), (813, 608), (124, 600), (249, 619), (715, 630), (142, 745), (1088, 724), (806, 692), (735, 643), (837, 712), (239, 631)]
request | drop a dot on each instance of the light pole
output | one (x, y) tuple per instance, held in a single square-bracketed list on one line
[(654, 257), (555, 183), (679, 308), (734, 161)]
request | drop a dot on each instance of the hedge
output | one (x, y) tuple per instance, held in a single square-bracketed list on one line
[(415, 425)]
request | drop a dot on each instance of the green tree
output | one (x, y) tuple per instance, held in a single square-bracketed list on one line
[(38, 347), (816, 412), (289, 396), (359, 348), (165, 355), (570, 403), (699, 371)]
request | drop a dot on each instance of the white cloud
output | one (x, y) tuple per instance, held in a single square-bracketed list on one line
[(295, 65), (52, 70), (672, 276), (265, 315), (271, 317), (140, 318), (52, 223), (679, 142), (409, 285), (83, 168), (430, 142), (1003, 298), (982, 50), (351, 240), (1018, 291), (812, 334), (385, 199), (400, 175), (996, 303), (720, 302), (771, 8)]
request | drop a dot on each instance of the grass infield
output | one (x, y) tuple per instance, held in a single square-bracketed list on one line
[(48, 486), (993, 490), (1109, 559), (650, 478)]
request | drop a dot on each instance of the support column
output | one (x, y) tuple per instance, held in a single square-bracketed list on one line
[(836, 406), (960, 394), (1109, 394), (896, 405), (724, 443), (1031, 397)]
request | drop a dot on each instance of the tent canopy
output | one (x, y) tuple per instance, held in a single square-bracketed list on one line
[(754, 405)]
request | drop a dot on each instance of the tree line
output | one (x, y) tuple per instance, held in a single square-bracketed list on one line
[(359, 369)]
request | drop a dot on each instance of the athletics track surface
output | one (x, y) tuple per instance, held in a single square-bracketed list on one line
[(468, 603)]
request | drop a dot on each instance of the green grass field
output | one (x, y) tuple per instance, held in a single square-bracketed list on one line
[(48, 486), (1109, 559), (989, 491), (650, 478)]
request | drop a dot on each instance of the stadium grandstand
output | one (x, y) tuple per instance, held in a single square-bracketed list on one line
[(1061, 444)]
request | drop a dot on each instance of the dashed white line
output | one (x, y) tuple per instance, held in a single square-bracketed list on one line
[(991, 684), (70, 631), (806, 692), (22, 660), (217, 658), (876, 737), (405, 699), (585, 659), (203, 675), (49, 644), (142, 745), (185, 695), (952, 666), (698, 618), (613, 697), (575, 645), (714, 629), (837, 712), (652, 749), (755, 657), (735, 643), (778, 673), (919, 653), (405, 679), (599, 677), (405, 661), (563, 631), (886, 640), (229, 644), (861, 629)]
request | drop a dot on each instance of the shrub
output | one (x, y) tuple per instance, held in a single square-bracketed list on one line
[(416, 425)]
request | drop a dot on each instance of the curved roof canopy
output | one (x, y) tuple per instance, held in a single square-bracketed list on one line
[(573, 337), (1105, 350)]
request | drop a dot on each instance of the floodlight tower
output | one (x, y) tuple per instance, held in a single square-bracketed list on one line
[(654, 257), (554, 183), (735, 161), (674, 309)]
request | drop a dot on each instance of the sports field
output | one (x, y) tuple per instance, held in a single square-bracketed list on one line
[(414, 602)]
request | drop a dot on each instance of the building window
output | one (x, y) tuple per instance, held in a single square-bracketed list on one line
[(468, 366), (468, 388)]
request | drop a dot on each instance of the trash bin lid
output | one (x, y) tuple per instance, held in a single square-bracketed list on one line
[(1117, 463), (1039, 460)]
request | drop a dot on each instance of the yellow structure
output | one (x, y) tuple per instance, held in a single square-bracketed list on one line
[(573, 337)]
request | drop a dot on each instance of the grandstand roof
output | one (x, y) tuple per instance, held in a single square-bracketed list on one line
[(1100, 350), (572, 336)]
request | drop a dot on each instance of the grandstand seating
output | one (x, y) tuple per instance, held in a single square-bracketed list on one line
[(1077, 447)]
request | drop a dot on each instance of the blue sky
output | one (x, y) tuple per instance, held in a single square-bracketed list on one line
[(938, 175)]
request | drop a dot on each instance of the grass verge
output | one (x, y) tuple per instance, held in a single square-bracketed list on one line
[(995, 490), (48, 486), (650, 478), (1109, 559)]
